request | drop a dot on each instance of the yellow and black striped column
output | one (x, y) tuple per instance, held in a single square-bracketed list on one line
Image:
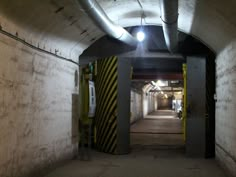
[(106, 109)]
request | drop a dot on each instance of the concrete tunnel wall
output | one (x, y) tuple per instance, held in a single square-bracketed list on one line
[(226, 108), (149, 103), (59, 27), (136, 106), (37, 127), (141, 104), (164, 103)]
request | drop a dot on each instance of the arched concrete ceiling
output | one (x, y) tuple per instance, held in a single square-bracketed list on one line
[(60, 25)]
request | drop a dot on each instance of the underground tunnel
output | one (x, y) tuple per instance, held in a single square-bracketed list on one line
[(81, 96)]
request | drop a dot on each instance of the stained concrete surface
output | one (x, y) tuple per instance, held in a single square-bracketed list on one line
[(163, 158), (159, 128), (38, 122), (141, 162), (225, 108), (162, 121)]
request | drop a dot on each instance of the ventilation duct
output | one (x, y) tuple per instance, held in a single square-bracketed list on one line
[(169, 17), (99, 17)]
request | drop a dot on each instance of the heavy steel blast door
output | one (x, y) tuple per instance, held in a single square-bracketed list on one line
[(196, 107)]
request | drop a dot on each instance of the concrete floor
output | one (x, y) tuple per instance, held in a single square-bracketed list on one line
[(156, 151), (158, 128)]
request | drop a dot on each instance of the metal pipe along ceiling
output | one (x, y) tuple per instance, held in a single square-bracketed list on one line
[(169, 17), (99, 17)]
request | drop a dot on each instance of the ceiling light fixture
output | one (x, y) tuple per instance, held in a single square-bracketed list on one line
[(140, 34), (154, 84)]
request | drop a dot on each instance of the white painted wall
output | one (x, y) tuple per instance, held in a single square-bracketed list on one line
[(226, 108), (136, 106), (36, 124), (150, 103), (141, 105)]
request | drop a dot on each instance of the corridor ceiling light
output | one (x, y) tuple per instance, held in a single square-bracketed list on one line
[(140, 36), (166, 96), (162, 92), (161, 83), (155, 85)]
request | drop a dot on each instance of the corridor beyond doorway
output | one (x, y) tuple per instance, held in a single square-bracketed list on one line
[(161, 128)]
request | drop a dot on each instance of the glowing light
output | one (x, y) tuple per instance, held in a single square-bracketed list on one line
[(140, 36), (166, 96), (161, 83), (155, 85)]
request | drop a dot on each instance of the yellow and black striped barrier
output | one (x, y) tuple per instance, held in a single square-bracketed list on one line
[(106, 109)]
